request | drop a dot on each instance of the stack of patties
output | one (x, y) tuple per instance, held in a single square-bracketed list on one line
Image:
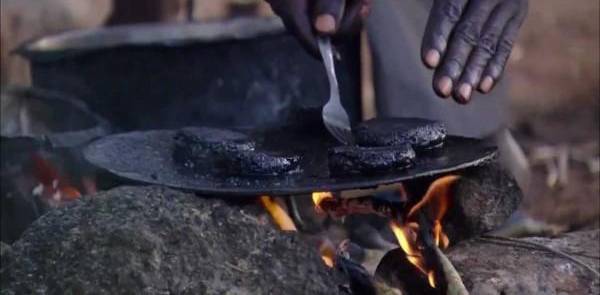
[(386, 144)]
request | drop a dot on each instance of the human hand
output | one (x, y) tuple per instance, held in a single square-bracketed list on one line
[(468, 42), (309, 18)]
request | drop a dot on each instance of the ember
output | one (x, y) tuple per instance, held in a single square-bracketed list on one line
[(338, 206), (52, 188), (406, 224)]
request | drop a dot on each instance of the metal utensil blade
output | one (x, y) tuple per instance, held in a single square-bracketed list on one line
[(335, 117)]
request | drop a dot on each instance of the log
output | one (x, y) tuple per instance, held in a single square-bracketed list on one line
[(154, 240), (494, 266)]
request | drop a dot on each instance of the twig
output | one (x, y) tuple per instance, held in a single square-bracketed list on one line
[(453, 279), (536, 245), (236, 267), (516, 242)]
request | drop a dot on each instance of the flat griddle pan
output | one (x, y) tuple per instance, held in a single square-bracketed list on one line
[(146, 156)]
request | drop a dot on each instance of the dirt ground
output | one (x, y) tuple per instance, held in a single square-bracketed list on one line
[(555, 103)]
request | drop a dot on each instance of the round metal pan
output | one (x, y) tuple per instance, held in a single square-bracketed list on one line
[(146, 156)]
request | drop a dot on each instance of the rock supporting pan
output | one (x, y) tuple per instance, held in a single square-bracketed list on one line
[(147, 157)]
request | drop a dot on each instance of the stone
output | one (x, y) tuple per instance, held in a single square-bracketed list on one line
[(155, 240), (483, 199), (490, 267)]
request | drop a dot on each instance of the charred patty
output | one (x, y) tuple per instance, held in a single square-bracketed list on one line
[(200, 147), (262, 163), (422, 134), (355, 159)]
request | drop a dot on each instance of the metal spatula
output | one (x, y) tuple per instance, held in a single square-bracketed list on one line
[(334, 115)]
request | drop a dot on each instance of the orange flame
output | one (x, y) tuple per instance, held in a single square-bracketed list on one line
[(327, 250), (436, 198), (53, 188), (319, 197), (279, 215), (285, 223), (407, 238), (435, 203)]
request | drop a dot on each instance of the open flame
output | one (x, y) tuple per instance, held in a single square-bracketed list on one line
[(435, 205), (407, 238), (327, 250), (52, 188), (285, 223), (318, 199), (278, 213)]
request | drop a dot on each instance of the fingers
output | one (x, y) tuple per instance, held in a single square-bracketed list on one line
[(340, 17), (308, 18), (496, 65), (442, 19), (465, 36), (482, 53), (327, 15), (296, 18), (468, 42), (355, 14)]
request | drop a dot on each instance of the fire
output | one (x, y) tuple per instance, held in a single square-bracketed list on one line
[(285, 223), (434, 204), (319, 197), (407, 239), (53, 188), (327, 250), (279, 215)]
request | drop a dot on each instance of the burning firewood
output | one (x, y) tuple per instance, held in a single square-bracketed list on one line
[(52, 188), (417, 228), (279, 214), (361, 280)]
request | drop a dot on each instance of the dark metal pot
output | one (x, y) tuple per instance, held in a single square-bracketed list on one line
[(246, 72), (41, 118)]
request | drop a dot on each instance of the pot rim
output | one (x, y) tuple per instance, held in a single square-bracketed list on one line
[(62, 139), (52, 47)]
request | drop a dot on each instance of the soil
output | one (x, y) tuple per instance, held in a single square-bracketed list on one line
[(554, 76)]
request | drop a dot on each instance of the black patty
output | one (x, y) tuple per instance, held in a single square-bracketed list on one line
[(199, 147), (354, 159), (420, 133), (262, 163)]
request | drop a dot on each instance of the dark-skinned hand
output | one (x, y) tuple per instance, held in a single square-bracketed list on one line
[(309, 18), (467, 42)]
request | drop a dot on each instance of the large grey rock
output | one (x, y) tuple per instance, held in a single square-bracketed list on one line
[(154, 240), (494, 268), (483, 199)]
